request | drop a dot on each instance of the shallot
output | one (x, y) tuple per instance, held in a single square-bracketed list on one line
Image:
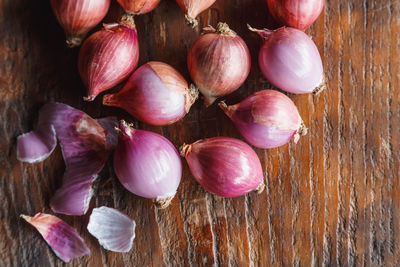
[(266, 119), (78, 17), (298, 14), (156, 94), (109, 56), (138, 7), (192, 8), (290, 60), (147, 164), (219, 62), (224, 166)]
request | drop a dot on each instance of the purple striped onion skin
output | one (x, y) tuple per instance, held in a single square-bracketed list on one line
[(224, 166), (63, 239), (266, 119), (108, 57), (218, 62), (78, 17), (156, 94), (138, 7), (290, 60)]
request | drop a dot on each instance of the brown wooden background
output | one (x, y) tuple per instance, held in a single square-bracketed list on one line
[(333, 199)]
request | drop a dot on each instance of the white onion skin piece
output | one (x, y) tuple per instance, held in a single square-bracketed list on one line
[(78, 17), (218, 62), (266, 119)]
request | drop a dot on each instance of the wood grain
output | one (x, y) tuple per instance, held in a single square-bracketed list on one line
[(333, 199)]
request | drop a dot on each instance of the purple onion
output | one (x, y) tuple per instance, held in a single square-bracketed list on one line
[(224, 166), (266, 119), (290, 60), (156, 94), (147, 164)]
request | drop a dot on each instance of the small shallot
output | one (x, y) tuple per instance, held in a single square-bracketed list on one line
[(298, 14), (156, 94), (224, 166), (138, 7), (114, 230), (219, 62), (266, 119), (108, 56), (192, 8), (62, 238), (147, 164), (290, 60), (78, 17)]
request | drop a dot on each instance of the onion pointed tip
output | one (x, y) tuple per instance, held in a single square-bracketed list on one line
[(108, 100), (228, 110), (302, 131), (125, 129), (260, 188), (191, 21), (263, 33), (194, 93), (185, 149), (89, 98), (163, 203), (25, 217)]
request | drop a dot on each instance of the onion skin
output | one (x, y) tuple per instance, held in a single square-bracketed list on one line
[(138, 7), (156, 94), (266, 119), (78, 17), (192, 8), (147, 164), (299, 14), (224, 166), (108, 57), (219, 62), (290, 60)]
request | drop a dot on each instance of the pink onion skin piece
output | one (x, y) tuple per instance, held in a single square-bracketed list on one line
[(266, 119), (156, 94), (147, 164), (108, 57), (218, 62), (78, 17), (299, 14), (192, 8), (62, 238), (224, 166), (113, 229), (290, 60), (138, 7)]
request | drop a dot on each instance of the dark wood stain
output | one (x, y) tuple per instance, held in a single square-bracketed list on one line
[(331, 200)]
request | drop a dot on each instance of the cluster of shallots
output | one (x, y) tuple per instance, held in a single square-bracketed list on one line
[(147, 164)]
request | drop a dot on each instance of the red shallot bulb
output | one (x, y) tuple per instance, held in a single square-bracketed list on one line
[(147, 164), (138, 7), (224, 166), (192, 8), (78, 17), (290, 60), (156, 94), (219, 62), (266, 119), (108, 56), (298, 14)]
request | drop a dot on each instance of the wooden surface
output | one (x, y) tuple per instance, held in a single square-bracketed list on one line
[(331, 200)]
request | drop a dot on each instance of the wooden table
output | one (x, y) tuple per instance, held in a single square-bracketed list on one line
[(333, 199)]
